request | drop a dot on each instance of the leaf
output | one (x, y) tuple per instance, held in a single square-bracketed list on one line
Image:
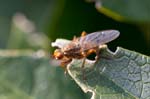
[(27, 35), (123, 74), (39, 15), (25, 74), (129, 10)]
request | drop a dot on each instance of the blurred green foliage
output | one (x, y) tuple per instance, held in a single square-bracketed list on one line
[(30, 76), (66, 18), (125, 10), (51, 19), (77, 16)]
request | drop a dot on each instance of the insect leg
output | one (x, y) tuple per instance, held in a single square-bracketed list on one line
[(75, 39), (83, 34), (82, 66), (64, 64), (84, 58), (64, 67), (83, 63), (98, 51), (97, 54)]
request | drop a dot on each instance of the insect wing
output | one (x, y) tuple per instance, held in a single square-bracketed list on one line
[(97, 38)]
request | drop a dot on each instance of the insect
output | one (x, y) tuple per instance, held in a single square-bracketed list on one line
[(81, 47)]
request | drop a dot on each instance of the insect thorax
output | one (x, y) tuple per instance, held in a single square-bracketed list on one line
[(72, 50)]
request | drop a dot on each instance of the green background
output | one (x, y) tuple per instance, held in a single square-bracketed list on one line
[(63, 19)]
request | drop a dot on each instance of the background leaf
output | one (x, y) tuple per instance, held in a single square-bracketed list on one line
[(130, 11), (125, 9), (29, 75)]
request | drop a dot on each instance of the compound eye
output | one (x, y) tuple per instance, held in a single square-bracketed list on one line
[(58, 55)]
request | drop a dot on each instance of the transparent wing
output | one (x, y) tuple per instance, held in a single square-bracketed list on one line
[(97, 38)]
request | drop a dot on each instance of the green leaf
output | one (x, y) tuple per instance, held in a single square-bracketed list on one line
[(120, 75), (123, 74), (25, 74), (27, 36), (129, 10)]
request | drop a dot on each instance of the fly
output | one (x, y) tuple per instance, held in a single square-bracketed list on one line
[(81, 47)]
